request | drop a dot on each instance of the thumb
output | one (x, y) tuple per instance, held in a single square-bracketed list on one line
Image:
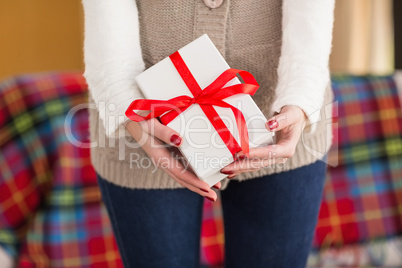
[(162, 132), (289, 115)]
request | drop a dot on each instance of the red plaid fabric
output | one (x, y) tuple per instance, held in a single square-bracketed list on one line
[(363, 193), (212, 234), (51, 212)]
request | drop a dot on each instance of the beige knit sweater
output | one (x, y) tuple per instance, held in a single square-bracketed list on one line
[(248, 34)]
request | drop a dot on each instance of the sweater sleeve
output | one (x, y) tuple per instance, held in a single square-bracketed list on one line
[(112, 56), (303, 71)]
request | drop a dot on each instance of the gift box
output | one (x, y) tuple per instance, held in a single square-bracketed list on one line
[(195, 92)]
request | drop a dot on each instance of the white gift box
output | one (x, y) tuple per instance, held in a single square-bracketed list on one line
[(202, 146)]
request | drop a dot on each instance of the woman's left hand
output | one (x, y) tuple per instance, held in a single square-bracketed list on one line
[(288, 125)]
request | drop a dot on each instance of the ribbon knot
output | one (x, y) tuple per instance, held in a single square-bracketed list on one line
[(193, 101), (212, 95)]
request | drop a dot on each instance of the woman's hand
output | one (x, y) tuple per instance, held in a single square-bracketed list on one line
[(288, 126), (153, 137)]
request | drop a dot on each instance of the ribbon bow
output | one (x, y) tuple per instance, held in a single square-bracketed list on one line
[(212, 95)]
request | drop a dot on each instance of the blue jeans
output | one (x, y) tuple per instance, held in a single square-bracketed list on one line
[(268, 221)]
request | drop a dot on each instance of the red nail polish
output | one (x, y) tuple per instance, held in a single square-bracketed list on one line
[(207, 191), (238, 157), (210, 199), (272, 124), (242, 157), (227, 172), (216, 187), (175, 139)]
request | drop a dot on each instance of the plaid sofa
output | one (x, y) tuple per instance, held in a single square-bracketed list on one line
[(51, 210)]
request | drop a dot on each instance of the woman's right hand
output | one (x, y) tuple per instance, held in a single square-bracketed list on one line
[(153, 137)]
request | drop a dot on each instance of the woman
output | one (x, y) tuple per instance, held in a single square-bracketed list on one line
[(270, 207)]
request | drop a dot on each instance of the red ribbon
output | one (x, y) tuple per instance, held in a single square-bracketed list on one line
[(213, 94)]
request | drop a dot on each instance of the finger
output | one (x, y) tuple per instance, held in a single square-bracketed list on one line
[(288, 116), (287, 141), (217, 185), (284, 147), (188, 177), (237, 167), (163, 159), (162, 132), (174, 166), (279, 150), (135, 129), (248, 165), (211, 195), (239, 156)]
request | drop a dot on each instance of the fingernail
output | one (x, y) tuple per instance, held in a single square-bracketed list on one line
[(175, 139), (216, 187), (227, 172), (207, 191), (272, 124), (210, 199), (241, 157)]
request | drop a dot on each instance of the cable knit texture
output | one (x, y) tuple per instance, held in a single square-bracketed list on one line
[(250, 35)]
